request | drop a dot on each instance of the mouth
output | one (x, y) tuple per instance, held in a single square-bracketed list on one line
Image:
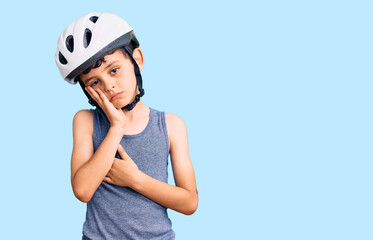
[(116, 96)]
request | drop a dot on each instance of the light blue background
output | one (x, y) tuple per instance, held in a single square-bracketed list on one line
[(276, 97)]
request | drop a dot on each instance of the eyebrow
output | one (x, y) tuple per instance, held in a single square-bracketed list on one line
[(106, 67)]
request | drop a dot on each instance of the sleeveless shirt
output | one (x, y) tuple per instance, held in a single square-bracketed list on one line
[(116, 212)]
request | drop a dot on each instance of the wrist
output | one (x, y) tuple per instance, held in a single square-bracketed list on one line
[(117, 130), (138, 178)]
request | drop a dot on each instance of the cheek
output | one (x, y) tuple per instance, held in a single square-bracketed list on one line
[(127, 84)]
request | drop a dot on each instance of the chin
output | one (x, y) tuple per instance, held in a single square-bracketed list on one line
[(119, 103)]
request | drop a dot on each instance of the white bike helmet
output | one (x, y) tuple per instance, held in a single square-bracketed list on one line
[(90, 38)]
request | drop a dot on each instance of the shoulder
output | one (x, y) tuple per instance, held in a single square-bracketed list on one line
[(174, 120), (83, 121), (176, 127), (84, 114)]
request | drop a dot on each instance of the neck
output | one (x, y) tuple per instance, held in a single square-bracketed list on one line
[(139, 111)]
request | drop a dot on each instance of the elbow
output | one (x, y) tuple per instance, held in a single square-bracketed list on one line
[(190, 211), (82, 196), (193, 205), (83, 199), (80, 192)]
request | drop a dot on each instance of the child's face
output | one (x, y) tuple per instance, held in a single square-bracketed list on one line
[(115, 75)]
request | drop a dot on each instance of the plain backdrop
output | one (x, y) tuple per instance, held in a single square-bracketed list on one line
[(276, 97)]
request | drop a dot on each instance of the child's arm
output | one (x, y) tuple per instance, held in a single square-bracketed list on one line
[(183, 197), (88, 169)]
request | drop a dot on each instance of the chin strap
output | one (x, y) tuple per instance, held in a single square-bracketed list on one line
[(129, 106)]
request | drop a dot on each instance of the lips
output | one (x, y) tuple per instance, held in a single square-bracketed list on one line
[(115, 96)]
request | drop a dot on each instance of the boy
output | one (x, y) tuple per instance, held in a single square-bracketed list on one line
[(120, 151)]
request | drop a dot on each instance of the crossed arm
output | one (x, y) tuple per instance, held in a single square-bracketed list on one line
[(182, 198)]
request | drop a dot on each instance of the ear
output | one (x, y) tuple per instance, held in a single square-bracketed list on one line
[(139, 57)]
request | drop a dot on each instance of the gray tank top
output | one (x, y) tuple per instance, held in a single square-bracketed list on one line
[(116, 212)]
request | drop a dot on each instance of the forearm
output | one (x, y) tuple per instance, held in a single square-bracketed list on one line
[(89, 176), (176, 198)]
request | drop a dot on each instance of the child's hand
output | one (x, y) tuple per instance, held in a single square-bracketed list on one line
[(123, 172), (115, 115)]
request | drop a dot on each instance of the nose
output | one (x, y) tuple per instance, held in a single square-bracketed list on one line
[(109, 84)]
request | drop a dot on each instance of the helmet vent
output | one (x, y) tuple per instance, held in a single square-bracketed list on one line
[(93, 19), (87, 37), (70, 43), (62, 59)]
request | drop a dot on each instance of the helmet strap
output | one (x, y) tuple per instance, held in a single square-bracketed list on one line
[(130, 106)]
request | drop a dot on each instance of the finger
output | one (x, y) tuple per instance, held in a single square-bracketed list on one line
[(92, 92), (105, 101), (108, 180), (102, 96), (121, 152)]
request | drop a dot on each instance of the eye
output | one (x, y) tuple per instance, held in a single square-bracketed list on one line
[(115, 70), (94, 83)]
